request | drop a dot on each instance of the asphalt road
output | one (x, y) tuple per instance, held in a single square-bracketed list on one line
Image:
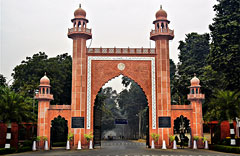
[(126, 148)]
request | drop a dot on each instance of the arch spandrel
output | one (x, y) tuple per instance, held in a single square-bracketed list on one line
[(104, 71)]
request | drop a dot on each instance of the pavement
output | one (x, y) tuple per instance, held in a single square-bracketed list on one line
[(125, 148)]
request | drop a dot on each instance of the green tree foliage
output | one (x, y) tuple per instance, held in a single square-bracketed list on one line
[(225, 46), (172, 70), (134, 104), (2, 80), (59, 70), (193, 53), (224, 105), (15, 107), (106, 102)]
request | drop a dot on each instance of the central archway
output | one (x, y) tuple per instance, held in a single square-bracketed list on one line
[(121, 115)]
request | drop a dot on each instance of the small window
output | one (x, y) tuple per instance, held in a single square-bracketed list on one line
[(47, 90), (43, 90), (196, 91), (192, 91), (162, 25), (79, 24)]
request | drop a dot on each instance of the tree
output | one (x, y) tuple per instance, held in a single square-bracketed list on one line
[(133, 103), (106, 103), (2, 80), (193, 53), (225, 105), (59, 70), (14, 108), (225, 33)]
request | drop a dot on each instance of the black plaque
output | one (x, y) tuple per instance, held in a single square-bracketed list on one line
[(164, 122), (77, 122), (121, 121)]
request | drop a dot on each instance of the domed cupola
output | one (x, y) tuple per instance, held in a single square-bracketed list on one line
[(44, 81), (79, 29), (79, 13), (161, 26), (195, 82), (161, 14), (44, 89)]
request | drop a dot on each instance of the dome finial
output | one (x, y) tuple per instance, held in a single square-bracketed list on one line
[(160, 6), (45, 74), (195, 74), (80, 5)]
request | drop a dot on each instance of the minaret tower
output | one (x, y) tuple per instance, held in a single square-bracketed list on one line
[(44, 97), (79, 34), (196, 98), (161, 35)]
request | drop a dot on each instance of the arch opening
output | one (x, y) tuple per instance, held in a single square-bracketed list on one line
[(58, 132), (121, 111), (182, 130)]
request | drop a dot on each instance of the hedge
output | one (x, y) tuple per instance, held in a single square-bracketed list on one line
[(224, 148), (7, 150)]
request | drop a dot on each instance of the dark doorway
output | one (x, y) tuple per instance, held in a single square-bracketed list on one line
[(59, 132), (182, 130), (121, 115)]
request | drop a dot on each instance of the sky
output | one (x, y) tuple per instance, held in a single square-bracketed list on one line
[(27, 26)]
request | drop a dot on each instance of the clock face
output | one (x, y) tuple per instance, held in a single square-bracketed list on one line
[(121, 66)]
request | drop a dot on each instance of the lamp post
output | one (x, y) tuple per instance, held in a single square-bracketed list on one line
[(35, 91)]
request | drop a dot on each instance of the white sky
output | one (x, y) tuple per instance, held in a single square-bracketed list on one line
[(28, 26)]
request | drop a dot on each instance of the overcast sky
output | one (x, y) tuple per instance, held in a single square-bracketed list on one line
[(30, 26)]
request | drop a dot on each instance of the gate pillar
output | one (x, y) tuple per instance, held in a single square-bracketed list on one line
[(79, 34), (195, 97), (44, 97), (161, 35)]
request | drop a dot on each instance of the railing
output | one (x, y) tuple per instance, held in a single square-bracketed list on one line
[(162, 31), (196, 96), (60, 107), (44, 96), (72, 30), (121, 51)]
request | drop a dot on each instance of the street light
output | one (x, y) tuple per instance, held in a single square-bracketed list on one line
[(35, 91)]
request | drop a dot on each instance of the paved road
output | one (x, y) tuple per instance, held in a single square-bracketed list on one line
[(126, 148)]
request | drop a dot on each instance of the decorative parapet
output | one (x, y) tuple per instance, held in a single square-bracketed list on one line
[(44, 96), (181, 107), (134, 51), (73, 30), (60, 107), (196, 96), (162, 32)]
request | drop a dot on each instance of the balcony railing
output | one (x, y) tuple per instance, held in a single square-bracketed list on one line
[(44, 96), (196, 96), (163, 32), (121, 51), (74, 30)]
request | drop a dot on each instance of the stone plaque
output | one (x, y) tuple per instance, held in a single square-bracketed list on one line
[(164, 122), (77, 122)]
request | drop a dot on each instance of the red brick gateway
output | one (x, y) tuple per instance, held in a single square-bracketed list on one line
[(93, 67)]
